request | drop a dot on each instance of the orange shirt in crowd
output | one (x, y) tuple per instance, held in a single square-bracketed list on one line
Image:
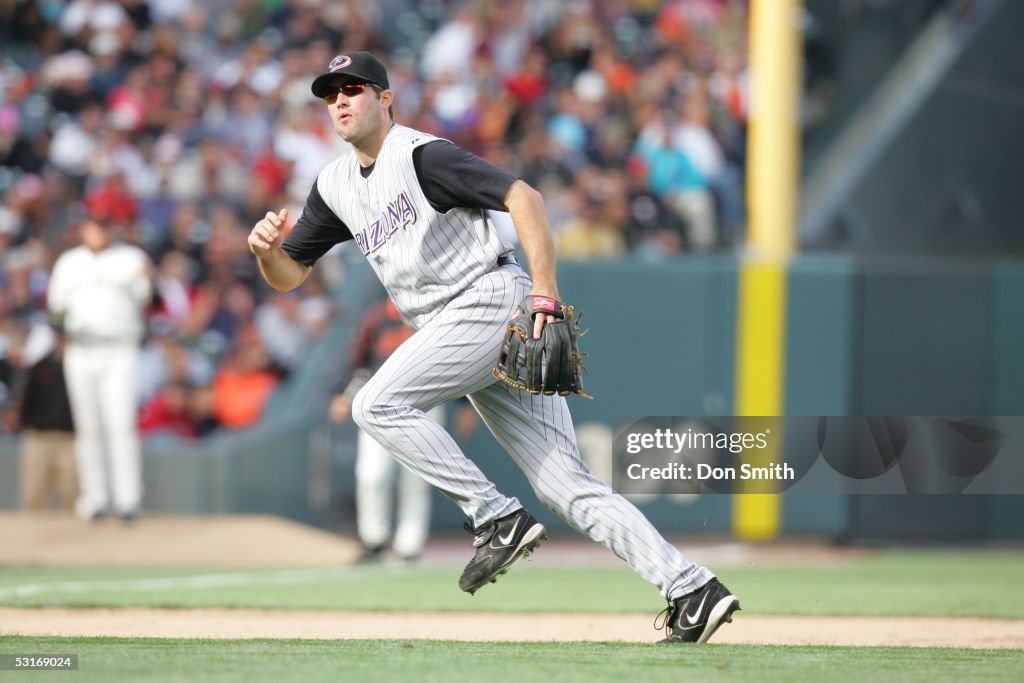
[(239, 395)]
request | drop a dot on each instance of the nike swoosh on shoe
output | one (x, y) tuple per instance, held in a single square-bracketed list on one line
[(507, 540), (696, 615)]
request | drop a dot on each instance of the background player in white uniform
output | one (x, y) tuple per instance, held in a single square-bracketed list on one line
[(378, 474), (99, 291), (417, 208)]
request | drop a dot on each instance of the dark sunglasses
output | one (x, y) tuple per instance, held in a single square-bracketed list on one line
[(348, 90)]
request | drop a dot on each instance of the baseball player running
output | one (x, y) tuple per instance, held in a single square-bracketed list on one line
[(416, 206)]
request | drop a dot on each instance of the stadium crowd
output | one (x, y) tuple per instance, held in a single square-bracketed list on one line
[(181, 122)]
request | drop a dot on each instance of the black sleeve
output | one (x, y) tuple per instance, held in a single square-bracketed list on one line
[(452, 177), (317, 230)]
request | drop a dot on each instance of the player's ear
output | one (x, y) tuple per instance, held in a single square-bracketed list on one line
[(387, 98)]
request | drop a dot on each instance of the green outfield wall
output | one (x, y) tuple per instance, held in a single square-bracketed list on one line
[(863, 337)]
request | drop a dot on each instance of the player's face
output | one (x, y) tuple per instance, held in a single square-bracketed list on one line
[(95, 235), (357, 110)]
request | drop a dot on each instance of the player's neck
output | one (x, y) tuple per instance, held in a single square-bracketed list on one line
[(367, 149)]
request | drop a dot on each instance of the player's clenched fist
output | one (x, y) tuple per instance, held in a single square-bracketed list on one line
[(268, 234)]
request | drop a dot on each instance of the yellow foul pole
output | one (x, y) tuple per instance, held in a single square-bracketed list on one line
[(772, 185)]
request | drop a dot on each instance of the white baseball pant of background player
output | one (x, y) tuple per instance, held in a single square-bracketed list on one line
[(376, 474), (101, 383), (101, 293), (452, 355)]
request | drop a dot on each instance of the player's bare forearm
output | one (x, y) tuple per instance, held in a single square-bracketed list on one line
[(280, 270), (526, 206)]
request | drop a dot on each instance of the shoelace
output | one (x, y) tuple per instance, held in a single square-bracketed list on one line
[(668, 613)]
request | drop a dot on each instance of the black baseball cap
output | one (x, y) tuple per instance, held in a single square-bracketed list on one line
[(358, 66)]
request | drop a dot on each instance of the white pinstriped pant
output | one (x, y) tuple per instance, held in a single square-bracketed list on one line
[(452, 356)]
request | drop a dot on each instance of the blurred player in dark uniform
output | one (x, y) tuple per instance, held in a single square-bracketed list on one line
[(378, 474)]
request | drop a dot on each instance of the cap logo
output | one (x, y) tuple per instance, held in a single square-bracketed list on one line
[(339, 62)]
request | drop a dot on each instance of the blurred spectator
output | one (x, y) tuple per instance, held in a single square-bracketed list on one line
[(11, 338), (169, 413), (200, 406), (175, 289), (248, 126), (695, 137), (652, 230), (302, 141), (10, 228), (17, 151), (450, 51), (74, 142), (68, 75), (113, 202), (118, 164), (243, 384), (567, 130), (288, 323), (111, 68), (528, 84), (540, 162), (47, 458), (188, 232), (91, 15), (129, 101), (208, 170), (591, 235), (675, 180), (235, 307), (167, 360), (25, 268)]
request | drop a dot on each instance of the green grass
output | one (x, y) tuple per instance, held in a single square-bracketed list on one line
[(368, 661), (921, 583)]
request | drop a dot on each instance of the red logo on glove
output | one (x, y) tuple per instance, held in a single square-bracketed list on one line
[(544, 303)]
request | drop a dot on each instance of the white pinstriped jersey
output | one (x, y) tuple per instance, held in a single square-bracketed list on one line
[(423, 257)]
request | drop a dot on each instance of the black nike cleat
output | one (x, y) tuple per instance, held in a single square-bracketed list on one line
[(498, 544), (696, 616)]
